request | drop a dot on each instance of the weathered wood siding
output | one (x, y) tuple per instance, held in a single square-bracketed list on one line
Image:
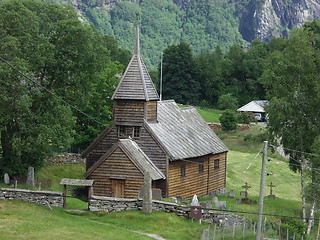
[(102, 147), (128, 112), (217, 177), (152, 111), (155, 153), (117, 166), (195, 182)]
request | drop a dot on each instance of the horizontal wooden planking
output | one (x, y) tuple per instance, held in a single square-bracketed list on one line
[(117, 165), (193, 182)]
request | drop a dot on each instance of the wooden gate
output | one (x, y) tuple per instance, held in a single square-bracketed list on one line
[(117, 188)]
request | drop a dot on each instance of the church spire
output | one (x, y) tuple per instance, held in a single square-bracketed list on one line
[(137, 46)]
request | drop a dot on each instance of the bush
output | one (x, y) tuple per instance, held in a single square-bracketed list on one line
[(228, 120), (246, 117), (227, 101)]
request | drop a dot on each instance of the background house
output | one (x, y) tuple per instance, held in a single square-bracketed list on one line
[(256, 108)]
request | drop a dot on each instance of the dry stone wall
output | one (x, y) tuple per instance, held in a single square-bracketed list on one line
[(68, 158), (54, 199), (109, 204)]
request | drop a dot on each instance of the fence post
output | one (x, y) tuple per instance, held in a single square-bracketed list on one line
[(214, 231), (234, 227)]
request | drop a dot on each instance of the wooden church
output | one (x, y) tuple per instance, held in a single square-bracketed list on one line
[(181, 152)]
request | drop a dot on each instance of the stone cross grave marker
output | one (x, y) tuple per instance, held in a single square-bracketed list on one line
[(246, 187), (147, 194), (6, 178), (30, 177), (271, 195)]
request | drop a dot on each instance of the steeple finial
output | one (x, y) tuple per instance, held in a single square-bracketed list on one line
[(137, 46)]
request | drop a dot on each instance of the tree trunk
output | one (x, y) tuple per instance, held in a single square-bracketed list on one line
[(303, 197), (318, 232), (311, 219)]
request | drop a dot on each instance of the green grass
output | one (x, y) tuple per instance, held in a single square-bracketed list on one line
[(57, 172), (20, 220), (209, 115)]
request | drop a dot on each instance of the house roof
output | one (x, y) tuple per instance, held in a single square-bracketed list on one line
[(136, 83), (135, 154), (254, 106), (184, 133)]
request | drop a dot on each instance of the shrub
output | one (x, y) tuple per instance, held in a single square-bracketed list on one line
[(246, 117), (228, 120), (227, 101)]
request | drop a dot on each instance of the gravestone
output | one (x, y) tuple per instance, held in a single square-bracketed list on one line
[(243, 193), (206, 204), (222, 205), (195, 201), (231, 194), (6, 178), (30, 177), (238, 201), (271, 196), (214, 199), (174, 199), (156, 194), (246, 187), (147, 195)]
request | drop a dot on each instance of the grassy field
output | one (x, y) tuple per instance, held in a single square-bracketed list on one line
[(20, 220)]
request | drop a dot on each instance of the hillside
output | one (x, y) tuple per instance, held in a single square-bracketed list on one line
[(202, 24)]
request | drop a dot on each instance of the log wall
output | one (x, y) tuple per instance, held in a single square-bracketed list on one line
[(195, 182), (102, 147), (118, 165), (152, 111), (128, 112)]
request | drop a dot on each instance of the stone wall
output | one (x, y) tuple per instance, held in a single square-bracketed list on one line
[(68, 158), (45, 198), (240, 127), (109, 204)]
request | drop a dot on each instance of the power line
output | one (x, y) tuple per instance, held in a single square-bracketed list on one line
[(50, 92), (212, 164), (293, 150), (264, 214)]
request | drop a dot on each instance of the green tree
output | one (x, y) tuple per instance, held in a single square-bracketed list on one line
[(291, 77), (209, 66), (179, 74), (49, 44), (228, 120)]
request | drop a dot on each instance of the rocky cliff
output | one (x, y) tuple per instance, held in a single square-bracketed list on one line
[(273, 18)]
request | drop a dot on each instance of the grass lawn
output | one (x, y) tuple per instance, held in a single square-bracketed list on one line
[(20, 220)]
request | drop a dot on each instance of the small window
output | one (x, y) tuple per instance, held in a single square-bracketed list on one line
[(201, 167), (183, 170), (121, 131), (216, 163), (136, 132)]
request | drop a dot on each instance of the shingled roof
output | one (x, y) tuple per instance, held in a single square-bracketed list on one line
[(184, 133), (136, 83), (135, 154)]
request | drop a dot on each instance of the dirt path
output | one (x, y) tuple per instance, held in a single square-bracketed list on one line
[(151, 235)]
